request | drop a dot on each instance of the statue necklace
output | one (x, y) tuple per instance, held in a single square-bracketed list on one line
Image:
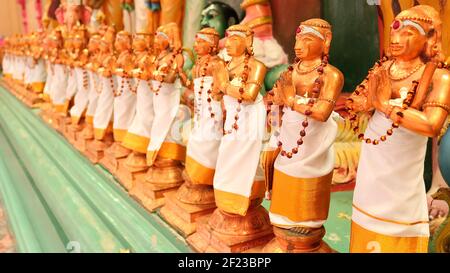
[(244, 79), (315, 94), (133, 89), (204, 70), (124, 79), (171, 60), (362, 90)]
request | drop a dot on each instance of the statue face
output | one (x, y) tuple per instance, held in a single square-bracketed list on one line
[(308, 46), (139, 43), (235, 45), (406, 43), (93, 44), (161, 42), (77, 42), (122, 43), (214, 17), (72, 15), (202, 47)]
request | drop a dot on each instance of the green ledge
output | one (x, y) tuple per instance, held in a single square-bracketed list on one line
[(57, 201)]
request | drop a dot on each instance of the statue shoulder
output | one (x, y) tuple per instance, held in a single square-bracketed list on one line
[(333, 72), (258, 65)]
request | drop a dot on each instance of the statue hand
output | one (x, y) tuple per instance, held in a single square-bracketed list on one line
[(438, 208), (384, 91)]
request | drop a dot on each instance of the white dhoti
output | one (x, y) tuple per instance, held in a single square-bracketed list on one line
[(71, 84), (301, 184), (95, 87), (27, 70), (48, 81), (235, 182), (162, 144), (37, 76), (389, 203), (19, 68), (138, 135), (204, 140), (58, 87), (81, 96), (124, 109), (6, 65), (104, 110)]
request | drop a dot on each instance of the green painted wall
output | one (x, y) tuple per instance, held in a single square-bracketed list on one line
[(355, 45)]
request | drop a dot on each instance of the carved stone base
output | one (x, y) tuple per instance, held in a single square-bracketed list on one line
[(95, 150), (47, 113), (163, 177), (287, 241), (112, 156), (72, 131), (31, 98), (187, 205), (63, 123), (131, 169), (224, 232)]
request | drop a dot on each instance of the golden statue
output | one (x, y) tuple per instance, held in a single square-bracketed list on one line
[(105, 88), (303, 146), (124, 100), (410, 94), (87, 133), (195, 198), (164, 152), (80, 57), (138, 134), (239, 222)]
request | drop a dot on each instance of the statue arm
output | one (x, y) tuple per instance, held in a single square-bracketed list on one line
[(324, 105), (253, 85), (431, 119)]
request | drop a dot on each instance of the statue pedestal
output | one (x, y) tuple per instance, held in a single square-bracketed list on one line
[(46, 113), (30, 98), (184, 208), (131, 169), (64, 122), (231, 233), (71, 132), (112, 156), (83, 137), (95, 150), (286, 241), (163, 177)]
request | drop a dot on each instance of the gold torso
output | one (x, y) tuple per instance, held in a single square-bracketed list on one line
[(162, 67), (145, 64), (207, 62)]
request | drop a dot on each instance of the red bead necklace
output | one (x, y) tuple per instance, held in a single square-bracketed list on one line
[(315, 94), (244, 78)]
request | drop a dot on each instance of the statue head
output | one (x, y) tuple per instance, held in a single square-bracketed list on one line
[(107, 41), (219, 16), (142, 41), (206, 42), (123, 41), (313, 39), (80, 37), (168, 37), (416, 32), (239, 40), (56, 39), (94, 42)]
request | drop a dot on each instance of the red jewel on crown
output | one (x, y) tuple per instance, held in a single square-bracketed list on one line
[(299, 30), (396, 25)]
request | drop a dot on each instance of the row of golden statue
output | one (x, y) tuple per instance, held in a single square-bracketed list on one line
[(116, 97)]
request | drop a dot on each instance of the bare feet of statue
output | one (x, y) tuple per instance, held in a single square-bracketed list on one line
[(301, 230)]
